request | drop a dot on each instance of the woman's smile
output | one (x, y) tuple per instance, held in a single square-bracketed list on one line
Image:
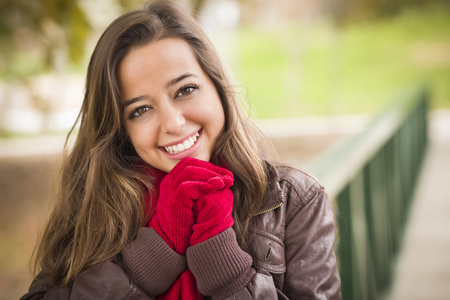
[(181, 146)]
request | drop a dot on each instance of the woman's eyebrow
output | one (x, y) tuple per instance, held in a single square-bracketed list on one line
[(133, 100), (179, 78), (171, 83)]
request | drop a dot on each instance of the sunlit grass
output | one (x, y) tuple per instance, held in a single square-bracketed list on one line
[(296, 70)]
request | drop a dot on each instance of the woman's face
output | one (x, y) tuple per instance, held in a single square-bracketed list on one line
[(172, 109)]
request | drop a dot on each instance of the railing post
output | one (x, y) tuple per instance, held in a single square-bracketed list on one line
[(372, 179)]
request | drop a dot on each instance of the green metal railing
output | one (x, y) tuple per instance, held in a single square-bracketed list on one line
[(370, 180)]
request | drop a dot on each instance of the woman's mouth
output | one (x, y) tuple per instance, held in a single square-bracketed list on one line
[(186, 144)]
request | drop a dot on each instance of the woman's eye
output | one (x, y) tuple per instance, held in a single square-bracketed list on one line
[(187, 90), (139, 111)]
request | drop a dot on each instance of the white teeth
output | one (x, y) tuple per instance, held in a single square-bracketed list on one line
[(180, 147), (188, 143)]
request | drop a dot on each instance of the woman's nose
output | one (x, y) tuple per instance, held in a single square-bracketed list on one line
[(172, 119)]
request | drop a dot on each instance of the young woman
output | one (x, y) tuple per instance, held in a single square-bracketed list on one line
[(169, 191)]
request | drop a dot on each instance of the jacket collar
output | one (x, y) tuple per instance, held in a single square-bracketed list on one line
[(273, 196)]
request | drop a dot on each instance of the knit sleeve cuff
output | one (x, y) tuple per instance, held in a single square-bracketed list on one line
[(219, 265), (152, 264)]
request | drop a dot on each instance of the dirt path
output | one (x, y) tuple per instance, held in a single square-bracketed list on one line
[(25, 189)]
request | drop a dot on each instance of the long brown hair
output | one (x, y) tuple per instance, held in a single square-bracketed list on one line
[(99, 204)]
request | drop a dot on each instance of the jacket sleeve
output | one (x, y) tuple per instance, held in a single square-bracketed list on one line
[(311, 270), (221, 268), (224, 271), (147, 267), (106, 280), (154, 266)]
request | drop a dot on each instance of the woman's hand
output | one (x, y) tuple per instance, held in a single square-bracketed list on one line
[(209, 186), (196, 178), (213, 213), (190, 180)]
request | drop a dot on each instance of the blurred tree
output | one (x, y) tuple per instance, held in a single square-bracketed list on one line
[(345, 11), (46, 35), (195, 5), (40, 34)]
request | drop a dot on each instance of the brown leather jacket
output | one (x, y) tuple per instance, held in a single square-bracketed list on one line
[(291, 243)]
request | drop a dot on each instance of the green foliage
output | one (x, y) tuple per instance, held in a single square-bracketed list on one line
[(347, 11), (47, 35), (35, 34), (131, 4), (320, 69)]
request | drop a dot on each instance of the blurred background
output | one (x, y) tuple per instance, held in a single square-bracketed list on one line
[(314, 73)]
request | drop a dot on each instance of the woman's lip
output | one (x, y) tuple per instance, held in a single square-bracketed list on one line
[(180, 141), (185, 153)]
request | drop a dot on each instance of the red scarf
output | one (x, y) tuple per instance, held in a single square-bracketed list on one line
[(185, 287)]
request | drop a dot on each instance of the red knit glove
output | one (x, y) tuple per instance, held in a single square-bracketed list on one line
[(189, 180), (173, 218), (213, 211), (196, 178)]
